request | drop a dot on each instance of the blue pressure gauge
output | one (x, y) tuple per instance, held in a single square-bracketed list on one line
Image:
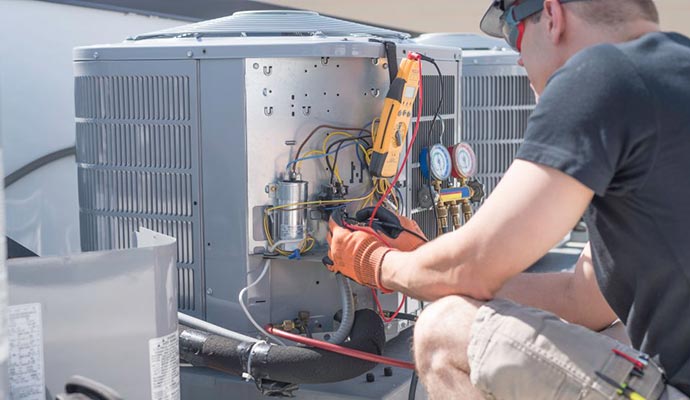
[(435, 163)]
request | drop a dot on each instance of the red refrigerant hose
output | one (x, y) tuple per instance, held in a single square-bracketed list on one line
[(340, 349)]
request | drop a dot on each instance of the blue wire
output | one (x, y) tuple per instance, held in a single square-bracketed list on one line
[(335, 207), (317, 155)]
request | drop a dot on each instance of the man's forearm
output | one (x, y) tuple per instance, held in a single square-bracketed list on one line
[(548, 291), (439, 269)]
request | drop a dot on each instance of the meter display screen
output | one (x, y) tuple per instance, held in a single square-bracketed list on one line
[(409, 92)]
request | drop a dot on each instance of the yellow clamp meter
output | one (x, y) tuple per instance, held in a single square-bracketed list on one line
[(395, 119)]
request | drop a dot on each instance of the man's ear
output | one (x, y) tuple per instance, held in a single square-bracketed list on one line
[(555, 19)]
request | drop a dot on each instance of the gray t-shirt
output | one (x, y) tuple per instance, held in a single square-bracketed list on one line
[(617, 119)]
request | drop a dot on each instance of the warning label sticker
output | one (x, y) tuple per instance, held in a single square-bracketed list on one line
[(165, 367), (25, 328)]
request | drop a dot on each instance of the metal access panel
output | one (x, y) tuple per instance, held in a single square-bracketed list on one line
[(285, 98), (137, 128)]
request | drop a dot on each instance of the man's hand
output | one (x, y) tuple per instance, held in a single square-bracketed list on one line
[(399, 232), (356, 250), (355, 254)]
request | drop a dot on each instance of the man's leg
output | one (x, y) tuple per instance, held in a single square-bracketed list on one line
[(441, 337), (512, 352)]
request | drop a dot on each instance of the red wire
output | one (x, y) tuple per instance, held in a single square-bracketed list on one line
[(390, 188), (340, 349), (378, 304), (409, 148), (368, 230)]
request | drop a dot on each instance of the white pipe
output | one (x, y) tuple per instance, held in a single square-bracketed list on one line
[(209, 327), (267, 265)]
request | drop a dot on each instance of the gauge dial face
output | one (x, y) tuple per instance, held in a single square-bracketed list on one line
[(464, 161), (440, 162)]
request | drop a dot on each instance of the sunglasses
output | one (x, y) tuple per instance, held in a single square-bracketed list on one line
[(514, 17), (513, 21)]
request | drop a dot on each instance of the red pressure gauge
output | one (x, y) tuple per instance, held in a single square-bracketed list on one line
[(464, 161)]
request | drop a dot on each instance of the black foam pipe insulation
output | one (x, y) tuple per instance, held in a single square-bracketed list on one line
[(290, 364)]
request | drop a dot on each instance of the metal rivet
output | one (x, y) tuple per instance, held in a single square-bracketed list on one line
[(256, 65), (190, 53), (385, 65), (209, 291)]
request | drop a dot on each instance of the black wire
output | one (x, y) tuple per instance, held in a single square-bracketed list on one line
[(431, 130), (413, 386), (413, 233), (38, 163), (441, 98), (402, 316), (339, 143)]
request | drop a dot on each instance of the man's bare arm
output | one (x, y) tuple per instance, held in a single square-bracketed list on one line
[(573, 296), (530, 210)]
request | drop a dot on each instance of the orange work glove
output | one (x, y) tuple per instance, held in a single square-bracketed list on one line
[(399, 232), (357, 251), (355, 254)]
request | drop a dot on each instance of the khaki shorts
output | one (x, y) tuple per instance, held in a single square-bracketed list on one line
[(520, 353)]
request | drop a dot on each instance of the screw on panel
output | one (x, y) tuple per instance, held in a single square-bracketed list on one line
[(209, 291), (256, 66), (268, 111), (385, 65), (190, 53), (268, 70), (95, 54)]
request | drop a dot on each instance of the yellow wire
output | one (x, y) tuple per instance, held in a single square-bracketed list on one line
[(374, 128), (307, 154), (308, 243)]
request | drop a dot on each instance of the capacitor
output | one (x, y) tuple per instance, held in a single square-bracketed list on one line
[(291, 222)]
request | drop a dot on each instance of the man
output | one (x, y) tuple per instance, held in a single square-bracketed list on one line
[(610, 138)]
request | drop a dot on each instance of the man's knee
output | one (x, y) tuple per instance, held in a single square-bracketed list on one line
[(443, 331)]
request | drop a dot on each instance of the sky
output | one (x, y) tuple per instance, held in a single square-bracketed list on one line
[(448, 15)]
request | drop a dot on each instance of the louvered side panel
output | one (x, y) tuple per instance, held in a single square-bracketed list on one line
[(495, 111), (159, 98), (152, 193), (432, 93), (444, 131), (137, 146)]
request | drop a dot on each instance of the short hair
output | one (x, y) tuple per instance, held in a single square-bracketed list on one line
[(614, 12)]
